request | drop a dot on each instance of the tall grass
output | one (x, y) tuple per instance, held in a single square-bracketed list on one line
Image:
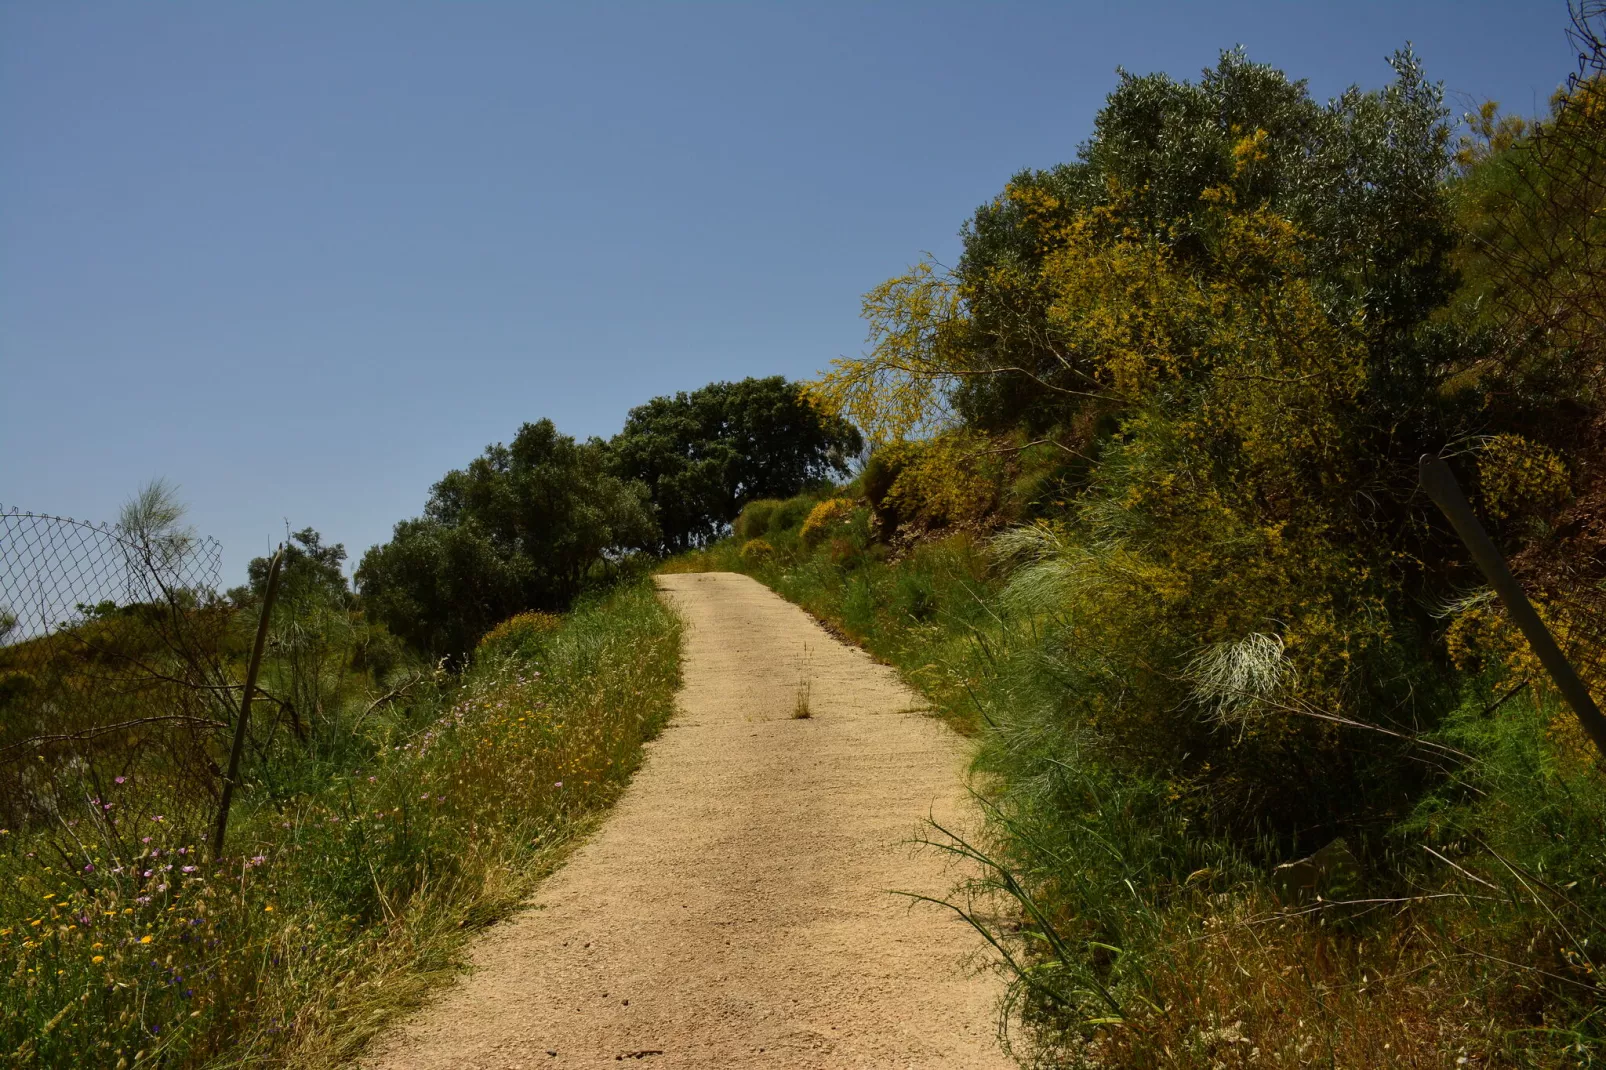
[(341, 903), (1138, 932)]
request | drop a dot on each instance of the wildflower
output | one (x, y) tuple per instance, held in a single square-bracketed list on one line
[(147, 873), (147, 938), (158, 818), (268, 909), (559, 784), (257, 860), (119, 780), (144, 839), (373, 779), (187, 869), (98, 959)]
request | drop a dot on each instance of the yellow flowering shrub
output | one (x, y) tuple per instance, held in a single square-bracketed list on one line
[(944, 481), (1519, 477), (1482, 638), (757, 552), (518, 631), (823, 518)]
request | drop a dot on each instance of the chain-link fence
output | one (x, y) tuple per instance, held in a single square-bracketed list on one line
[(114, 648)]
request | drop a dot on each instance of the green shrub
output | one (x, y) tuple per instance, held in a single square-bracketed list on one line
[(790, 514), (754, 519), (948, 480), (525, 525), (880, 472), (757, 553), (914, 595), (519, 634)]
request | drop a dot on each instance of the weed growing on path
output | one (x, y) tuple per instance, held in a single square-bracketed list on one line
[(801, 710)]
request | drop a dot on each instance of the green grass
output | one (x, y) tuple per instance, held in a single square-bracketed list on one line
[(1141, 936), (338, 906)]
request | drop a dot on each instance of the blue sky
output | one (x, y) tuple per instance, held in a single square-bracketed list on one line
[(302, 258)]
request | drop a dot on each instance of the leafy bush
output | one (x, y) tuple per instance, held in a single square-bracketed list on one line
[(828, 515), (522, 633), (757, 552), (948, 480), (790, 515), (706, 454), (521, 528), (754, 519)]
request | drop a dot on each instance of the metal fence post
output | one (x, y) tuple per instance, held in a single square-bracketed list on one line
[(1439, 482), (240, 726)]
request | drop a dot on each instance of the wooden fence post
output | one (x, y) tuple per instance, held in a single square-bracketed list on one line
[(1439, 482), (240, 726)]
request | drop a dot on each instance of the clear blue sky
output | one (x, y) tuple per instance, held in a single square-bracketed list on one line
[(302, 258)]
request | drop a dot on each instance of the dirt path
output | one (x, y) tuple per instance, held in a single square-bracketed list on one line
[(735, 909)]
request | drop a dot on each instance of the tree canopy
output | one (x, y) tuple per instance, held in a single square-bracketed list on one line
[(705, 454), (309, 565), (1357, 184), (519, 528)]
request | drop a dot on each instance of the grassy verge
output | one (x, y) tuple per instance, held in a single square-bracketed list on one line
[(1142, 935), (929, 613), (338, 907)]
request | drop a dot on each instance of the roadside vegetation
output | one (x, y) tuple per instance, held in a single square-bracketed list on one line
[(359, 859), (1130, 492), (1269, 776), (424, 746)]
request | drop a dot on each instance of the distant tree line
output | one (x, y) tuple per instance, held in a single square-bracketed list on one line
[(526, 525)]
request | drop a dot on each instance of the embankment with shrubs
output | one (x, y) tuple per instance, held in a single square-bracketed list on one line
[(1270, 776), (358, 862), (1149, 925)]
